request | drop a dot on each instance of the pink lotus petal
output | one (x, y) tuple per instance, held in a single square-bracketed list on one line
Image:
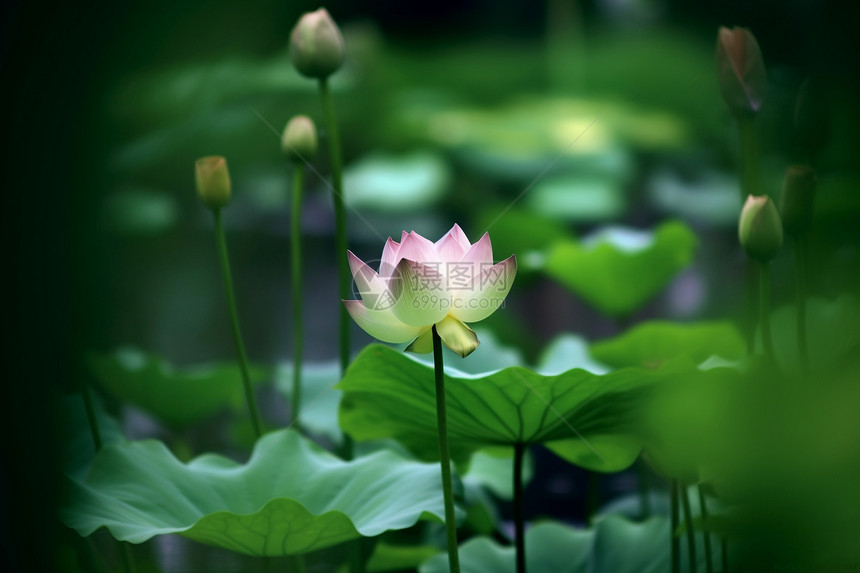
[(381, 324), (389, 258), (481, 252), (453, 245), (370, 286), (416, 248), (487, 294)]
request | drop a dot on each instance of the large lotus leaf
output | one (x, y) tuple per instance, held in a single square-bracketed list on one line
[(618, 270), (397, 183), (77, 437), (613, 545), (319, 397), (387, 394), (832, 331), (177, 396), (578, 198), (652, 343), (290, 497)]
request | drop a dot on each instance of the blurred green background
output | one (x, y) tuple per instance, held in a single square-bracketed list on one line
[(449, 110)]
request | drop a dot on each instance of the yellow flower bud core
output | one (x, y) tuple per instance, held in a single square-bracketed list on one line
[(316, 45), (740, 71), (213, 181), (760, 228), (798, 198), (299, 141)]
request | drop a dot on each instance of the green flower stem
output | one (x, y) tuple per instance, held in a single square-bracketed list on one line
[(644, 489), (703, 506), (344, 277), (296, 256), (519, 517), (800, 277), (673, 527), (750, 170), (91, 416), (764, 311), (221, 240), (691, 530), (445, 456)]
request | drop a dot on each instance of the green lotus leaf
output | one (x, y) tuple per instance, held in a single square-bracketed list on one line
[(319, 397), (619, 270), (291, 497), (652, 343), (613, 545), (387, 394), (393, 183), (178, 396)]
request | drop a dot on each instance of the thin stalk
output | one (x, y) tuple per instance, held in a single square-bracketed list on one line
[(703, 507), (691, 530), (445, 456), (344, 276), (800, 292), (297, 564), (221, 240), (724, 549), (91, 416), (764, 311), (296, 256), (644, 489), (127, 557), (592, 495), (673, 527), (750, 170), (519, 517)]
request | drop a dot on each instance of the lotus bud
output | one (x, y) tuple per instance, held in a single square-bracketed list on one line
[(740, 71), (798, 198), (299, 141), (811, 121), (316, 45), (760, 228), (213, 181)]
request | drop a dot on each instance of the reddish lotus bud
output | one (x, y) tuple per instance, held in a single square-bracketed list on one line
[(213, 181), (760, 228), (316, 45), (798, 198), (740, 71)]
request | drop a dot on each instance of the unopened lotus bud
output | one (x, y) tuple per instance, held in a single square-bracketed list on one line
[(798, 198), (213, 181), (316, 45), (760, 228), (740, 71), (811, 117), (299, 141)]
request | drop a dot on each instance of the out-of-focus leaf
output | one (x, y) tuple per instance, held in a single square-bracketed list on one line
[(77, 438), (578, 198), (619, 270), (291, 497), (652, 343), (319, 397), (387, 394), (388, 557), (566, 352), (396, 183), (177, 396), (140, 211), (712, 197), (517, 231), (493, 470), (613, 545)]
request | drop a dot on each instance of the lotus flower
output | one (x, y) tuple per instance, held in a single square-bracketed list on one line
[(421, 284)]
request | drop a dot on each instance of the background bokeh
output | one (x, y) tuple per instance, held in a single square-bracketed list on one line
[(449, 110)]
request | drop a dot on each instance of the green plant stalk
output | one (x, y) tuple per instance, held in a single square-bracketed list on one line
[(764, 311), (344, 277), (519, 516), (643, 487), (691, 530), (445, 456), (703, 506), (750, 170), (800, 292), (296, 262), (91, 416), (673, 527), (221, 240), (724, 546), (592, 495)]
